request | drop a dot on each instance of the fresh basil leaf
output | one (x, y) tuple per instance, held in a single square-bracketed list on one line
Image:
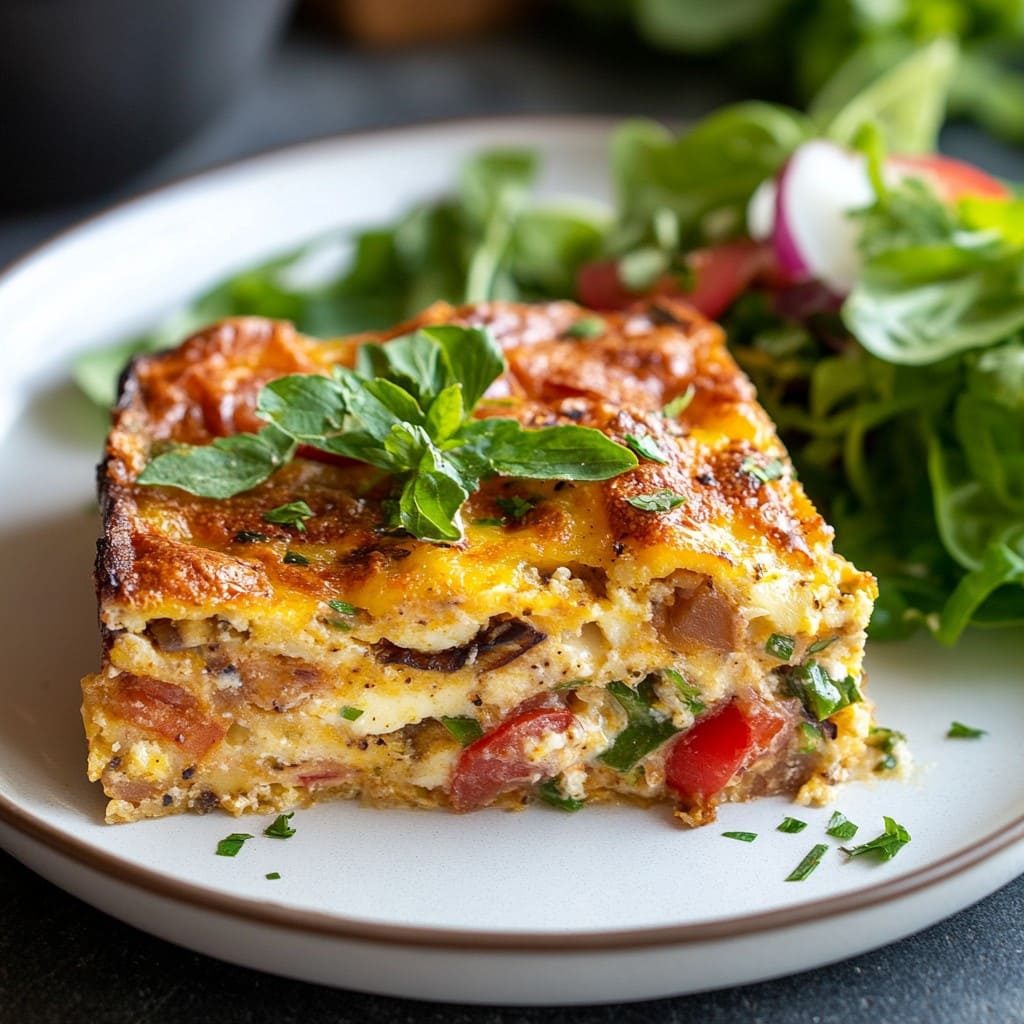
[(473, 359), (410, 362), (429, 506), (294, 514), (557, 453), (645, 446), (395, 399), (305, 406), (224, 468), (446, 414)]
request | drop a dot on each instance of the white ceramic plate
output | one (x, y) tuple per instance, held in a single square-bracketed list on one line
[(606, 905)]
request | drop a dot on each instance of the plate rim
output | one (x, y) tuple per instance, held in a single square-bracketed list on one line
[(446, 938)]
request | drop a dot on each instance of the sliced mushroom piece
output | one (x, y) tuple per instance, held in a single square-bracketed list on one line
[(698, 616)]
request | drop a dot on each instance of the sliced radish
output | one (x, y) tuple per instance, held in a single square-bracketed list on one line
[(814, 235), (761, 211)]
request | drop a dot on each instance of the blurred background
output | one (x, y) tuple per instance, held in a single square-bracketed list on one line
[(103, 98)]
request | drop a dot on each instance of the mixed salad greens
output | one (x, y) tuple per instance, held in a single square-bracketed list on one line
[(874, 292)]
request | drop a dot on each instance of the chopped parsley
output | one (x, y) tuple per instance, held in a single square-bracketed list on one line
[(687, 691), (822, 695), (646, 729), (250, 537), (343, 607), (551, 794), (771, 470), (280, 828), (781, 646), (887, 741), (230, 845), (350, 713), (659, 501), (959, 731), (587, 328), (679, 403), (743, 837), (791, 825), (466, 730), (646, 446), (840, 826), (272, 876), (294, 558), (294, 514), (808, 864), (811, 738), (820, 645), (516, 508), (884, 846)]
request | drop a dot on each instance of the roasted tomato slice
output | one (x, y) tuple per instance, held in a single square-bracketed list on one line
[(703, 761), (721, 273), (500, 760), (952, 179)]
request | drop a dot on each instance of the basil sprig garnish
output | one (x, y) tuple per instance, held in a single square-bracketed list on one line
[(406, 409)]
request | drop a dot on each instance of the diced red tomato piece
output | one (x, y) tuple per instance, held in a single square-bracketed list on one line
[(498, 762), (704, 760), (951, 179)]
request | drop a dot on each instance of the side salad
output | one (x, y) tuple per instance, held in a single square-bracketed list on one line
[(872, 289)]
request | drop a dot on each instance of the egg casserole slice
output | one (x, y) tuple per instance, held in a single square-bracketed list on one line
[(680, 635)]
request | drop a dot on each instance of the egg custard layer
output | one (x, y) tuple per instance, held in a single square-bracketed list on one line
[(681, 634)]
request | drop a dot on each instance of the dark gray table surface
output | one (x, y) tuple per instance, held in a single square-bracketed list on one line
[(61, 960)]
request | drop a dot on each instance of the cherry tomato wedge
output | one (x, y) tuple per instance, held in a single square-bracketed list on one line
[(721, 273), (498, 761), (598, 286), (951, 179), (704, 760)]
